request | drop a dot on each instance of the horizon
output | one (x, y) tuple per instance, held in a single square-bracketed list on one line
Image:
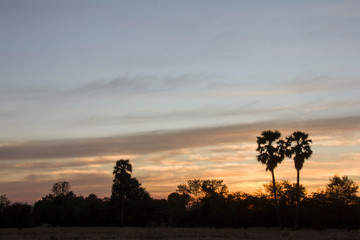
[(181, 89)]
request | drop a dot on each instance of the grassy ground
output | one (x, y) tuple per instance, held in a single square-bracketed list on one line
[(173, 233)]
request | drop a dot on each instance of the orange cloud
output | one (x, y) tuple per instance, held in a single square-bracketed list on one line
[(169, 140), (162, 160)]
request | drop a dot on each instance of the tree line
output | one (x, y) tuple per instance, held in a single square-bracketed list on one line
[(196, 203), (201, 202)]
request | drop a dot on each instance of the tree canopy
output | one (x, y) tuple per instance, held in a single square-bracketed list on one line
[(196, 190)]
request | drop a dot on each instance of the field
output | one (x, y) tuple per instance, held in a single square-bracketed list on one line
[(79, 233)]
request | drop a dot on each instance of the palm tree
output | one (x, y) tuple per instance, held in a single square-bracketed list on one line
[(298, 145), (271, 148)]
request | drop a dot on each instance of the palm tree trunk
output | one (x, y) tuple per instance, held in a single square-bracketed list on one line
[(296, 224), (276, 202)]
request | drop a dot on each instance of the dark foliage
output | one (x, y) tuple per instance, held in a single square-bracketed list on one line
[(16, 215), (197, 203), (129, 201)]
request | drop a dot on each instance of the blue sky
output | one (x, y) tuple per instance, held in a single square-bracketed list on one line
[(112, 77)]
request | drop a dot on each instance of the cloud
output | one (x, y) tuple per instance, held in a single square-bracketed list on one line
[(318, 83), (123, 85), (204, 112), (298, 85), (162, 160), (201, 84), (59, 163), (251, 109), (31, 190), (158, 141), (127, 84)]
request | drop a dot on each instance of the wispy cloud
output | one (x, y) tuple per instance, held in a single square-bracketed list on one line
[(168, 140), (297, 85), (162, 160), (319, 84), (123, 85), (143, 84), (179, 115), (251, 109), (202, 84)]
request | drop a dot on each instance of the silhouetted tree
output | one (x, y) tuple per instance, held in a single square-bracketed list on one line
[(200, 203), (340, 191), (4, 203), (126, 188), (286, 192), (60, 188), (298, 145), (178, 199), (122, 173), (93, 211), (60, 208), (177, 208), (196, 190), (17, 215), (337, 206), (271, 153)]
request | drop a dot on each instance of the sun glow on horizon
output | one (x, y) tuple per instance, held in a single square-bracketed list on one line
[(181, 89)]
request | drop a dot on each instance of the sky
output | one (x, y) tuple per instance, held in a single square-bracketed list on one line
[(181, 88)]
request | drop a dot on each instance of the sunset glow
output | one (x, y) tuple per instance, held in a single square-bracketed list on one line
[(181, 88)]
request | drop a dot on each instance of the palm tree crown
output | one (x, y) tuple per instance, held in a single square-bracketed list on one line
[(298, 145), (271, 149)]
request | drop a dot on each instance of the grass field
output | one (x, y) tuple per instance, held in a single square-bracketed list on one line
[(78, 233)]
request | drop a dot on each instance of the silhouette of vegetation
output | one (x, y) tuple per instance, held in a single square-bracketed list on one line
[(286, 192), (298, 145), (287, 197), (126, 190), (338, 206), (197, 190), (196, 203), (342, 190), (122, 172), (14, 215), (60, 189), (271, 150)]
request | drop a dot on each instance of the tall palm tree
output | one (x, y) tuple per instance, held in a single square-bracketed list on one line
[(298, 145), (271, 152)]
